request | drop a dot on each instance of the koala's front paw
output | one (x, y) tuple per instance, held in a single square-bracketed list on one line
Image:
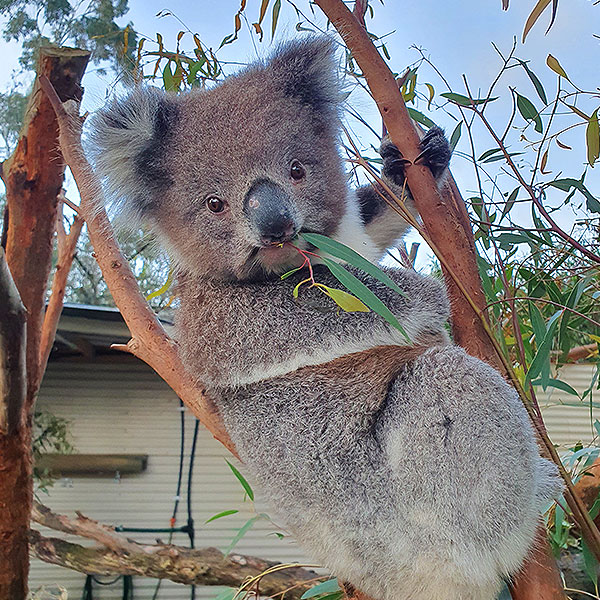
[(436, 151), (435, 154)]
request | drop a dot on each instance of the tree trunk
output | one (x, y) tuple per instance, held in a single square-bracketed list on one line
[(33, 177)]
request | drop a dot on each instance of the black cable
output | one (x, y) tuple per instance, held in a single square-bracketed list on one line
[(178, 492), (190, 522)]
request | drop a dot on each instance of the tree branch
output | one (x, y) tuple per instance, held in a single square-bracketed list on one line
[(446, 226), (67, 243), (13, 377), (206, 566), (149, 342)]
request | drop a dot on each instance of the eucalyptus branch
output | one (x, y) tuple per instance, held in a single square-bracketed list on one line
[(534, 197), (150, 342)]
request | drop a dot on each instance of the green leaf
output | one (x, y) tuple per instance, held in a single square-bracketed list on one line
[(168, 80), (225, 513), (289, 273), (592, 138), (347, 302), (539, 88), (455, 136), (327, 587), (276, 9), (431, 94), (572, 302), (361, 291), (595, 509), (489, 153), (240, 534), (537, 323), (322, 242), (464, 100), (419, 117), (510, 202), (593, 205), (558, 384), (242, 480), (542, 355), (590, 565), (529, 112)]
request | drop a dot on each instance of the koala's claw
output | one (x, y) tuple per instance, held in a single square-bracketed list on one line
[(436, 151), (435, 154), (393, 162)]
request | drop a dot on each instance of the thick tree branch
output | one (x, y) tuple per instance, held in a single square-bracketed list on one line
[(149, 342), (207, 566), (13, 377), (33, 176)]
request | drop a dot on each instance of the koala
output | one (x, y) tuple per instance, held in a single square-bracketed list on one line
[(410, 470)]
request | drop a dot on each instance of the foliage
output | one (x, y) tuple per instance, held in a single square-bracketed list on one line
[(50, 435), (12, 111), (90, 25), (151, 266)]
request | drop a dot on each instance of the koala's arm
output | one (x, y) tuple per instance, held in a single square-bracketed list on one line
[(382, 223)]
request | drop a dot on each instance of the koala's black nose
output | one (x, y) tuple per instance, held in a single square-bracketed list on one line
[(271, 212)]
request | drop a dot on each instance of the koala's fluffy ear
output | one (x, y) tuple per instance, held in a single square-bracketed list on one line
[(128, 143), (307, 70)]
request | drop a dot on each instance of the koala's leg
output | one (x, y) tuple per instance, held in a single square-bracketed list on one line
[(382, 223)]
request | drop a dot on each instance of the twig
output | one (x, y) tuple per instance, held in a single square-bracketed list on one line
[(67, 243)]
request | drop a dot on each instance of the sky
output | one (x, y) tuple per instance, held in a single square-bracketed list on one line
[(456, 36)]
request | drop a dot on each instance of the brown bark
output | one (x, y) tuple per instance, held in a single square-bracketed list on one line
[(33, 176), (207, 566), (13, 374), (15, 468), (447, 227)]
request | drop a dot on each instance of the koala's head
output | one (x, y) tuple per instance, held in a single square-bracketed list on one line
[(226, 176)]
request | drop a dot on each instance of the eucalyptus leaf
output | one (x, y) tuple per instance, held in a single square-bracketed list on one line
[(242, 480), (240, 534), (529, 112), (362, 292), (334, 248), (465, 100), (225, 513)]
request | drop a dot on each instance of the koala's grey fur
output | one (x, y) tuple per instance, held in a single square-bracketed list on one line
[(411, 472)]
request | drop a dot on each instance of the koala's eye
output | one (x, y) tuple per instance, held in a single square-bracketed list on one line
[(215, 205), (297, 171)]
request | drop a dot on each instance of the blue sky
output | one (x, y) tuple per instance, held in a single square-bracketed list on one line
[(456, 36)]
